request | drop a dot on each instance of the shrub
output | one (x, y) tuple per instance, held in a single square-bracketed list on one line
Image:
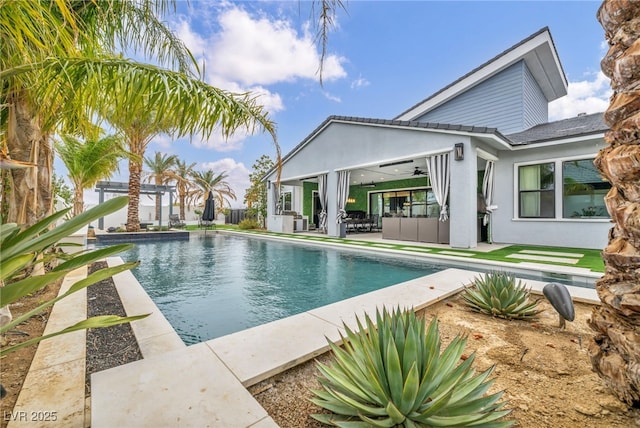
[(498, 294), (249, 223), (395, 375)]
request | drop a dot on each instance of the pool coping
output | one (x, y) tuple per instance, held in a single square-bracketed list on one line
[(224, 367)]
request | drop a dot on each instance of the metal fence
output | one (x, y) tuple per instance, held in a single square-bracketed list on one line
[(235, 216)]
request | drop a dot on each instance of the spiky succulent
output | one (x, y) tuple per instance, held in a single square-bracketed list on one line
[(498, 294), (395, 375)]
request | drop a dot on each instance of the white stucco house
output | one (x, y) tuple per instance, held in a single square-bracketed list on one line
[(484, 141)]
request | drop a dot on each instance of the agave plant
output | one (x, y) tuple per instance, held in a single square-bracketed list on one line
[(22, 248), (393, 374), (498, 294)]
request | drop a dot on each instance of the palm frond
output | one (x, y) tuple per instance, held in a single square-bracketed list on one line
[(93, 85)]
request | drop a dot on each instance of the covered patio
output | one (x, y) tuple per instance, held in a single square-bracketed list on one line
[(356, 171)]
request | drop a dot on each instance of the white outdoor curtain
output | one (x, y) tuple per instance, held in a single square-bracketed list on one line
[(440, 174), (277, 204), (324, 201), (343, 194), (487, 190), (487, 193)]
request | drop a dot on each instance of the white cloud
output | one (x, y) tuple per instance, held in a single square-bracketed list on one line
[(262, 50), (238, 177), (360, 82), (196, 44), (586, 96), (249, 51), (163, 141), (219, 143), (331, 97)]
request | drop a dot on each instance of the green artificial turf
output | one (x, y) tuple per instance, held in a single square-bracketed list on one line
[(591, 259)]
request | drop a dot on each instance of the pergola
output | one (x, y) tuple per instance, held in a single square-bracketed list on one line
[(145, 189)]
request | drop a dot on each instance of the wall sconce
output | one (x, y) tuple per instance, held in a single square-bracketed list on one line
[(458, 151), (351, 200)]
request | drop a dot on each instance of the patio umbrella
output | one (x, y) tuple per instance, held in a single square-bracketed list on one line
[(209, 213)]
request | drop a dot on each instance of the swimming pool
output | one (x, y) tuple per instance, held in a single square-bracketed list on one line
[(221, 284)]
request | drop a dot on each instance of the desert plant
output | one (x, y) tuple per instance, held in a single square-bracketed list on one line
[(498, 294), (249, 223), (23, 248), (394, 375)]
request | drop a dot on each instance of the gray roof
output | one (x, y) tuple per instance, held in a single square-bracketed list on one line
[(574, 127)]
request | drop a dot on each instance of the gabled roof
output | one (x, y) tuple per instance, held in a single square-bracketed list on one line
[(539, 53), (578, 126), (391, 123)]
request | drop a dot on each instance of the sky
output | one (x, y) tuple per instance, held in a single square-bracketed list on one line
[(382, 58)]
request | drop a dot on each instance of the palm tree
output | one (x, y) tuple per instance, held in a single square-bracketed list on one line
[(160, 172), (88, 162), (208, 181), (182, 175), (58, 71), (615, 350)]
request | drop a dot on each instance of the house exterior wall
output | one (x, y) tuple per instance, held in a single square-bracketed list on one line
[(562, 232), (463, 201), (510, 101), (536, 107)]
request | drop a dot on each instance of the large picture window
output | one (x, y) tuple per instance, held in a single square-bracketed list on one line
[(583, 190), (405, 203), (536, 184)]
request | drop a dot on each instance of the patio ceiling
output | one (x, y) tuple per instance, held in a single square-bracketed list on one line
[(379, 173), (392, 171), (389, 172)]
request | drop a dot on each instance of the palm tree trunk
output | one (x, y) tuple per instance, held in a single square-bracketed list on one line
[(78, 200), (182, 204), (615, 349), (27, 194), (133, 216), (158, 183)]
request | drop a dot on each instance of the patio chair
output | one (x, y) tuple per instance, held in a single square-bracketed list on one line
[(174, 221), (206, 224)]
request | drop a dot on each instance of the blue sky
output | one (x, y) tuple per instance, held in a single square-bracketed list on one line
[(384, 56)]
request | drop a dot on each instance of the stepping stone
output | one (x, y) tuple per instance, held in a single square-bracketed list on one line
[(551, 253), (415, 249), (383, 245), (543, 258), (456, 253)]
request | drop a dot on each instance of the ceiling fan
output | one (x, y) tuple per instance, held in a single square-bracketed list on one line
[(418, 171)]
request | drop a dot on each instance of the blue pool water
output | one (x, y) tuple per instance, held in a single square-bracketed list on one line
[(222, 284)]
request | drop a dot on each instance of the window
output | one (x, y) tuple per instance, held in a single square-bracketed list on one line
[(583, 190), (536, 190), (580, 191), (286, 201), (404, 203)]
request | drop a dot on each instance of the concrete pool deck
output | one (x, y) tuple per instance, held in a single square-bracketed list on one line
[(205, 384)]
